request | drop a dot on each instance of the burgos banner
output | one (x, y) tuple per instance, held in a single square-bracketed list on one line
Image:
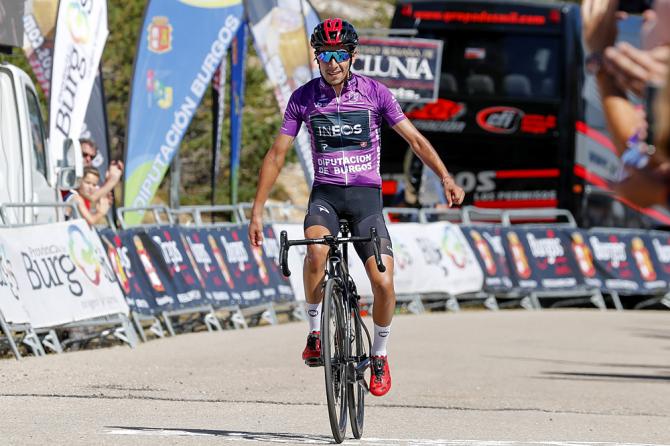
[(61, 273), (81, 32), (181, 45), (410, 68)]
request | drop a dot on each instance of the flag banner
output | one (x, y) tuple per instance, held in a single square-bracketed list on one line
[(10, 300), (428, 258), (81, 32), (616, 260), (281, 31), (181, 46), (487, 244), (238, 53), (62, 273), (95, 126), (127, 265), (218, 114), (39, 23), (541, 258), (410, 68)]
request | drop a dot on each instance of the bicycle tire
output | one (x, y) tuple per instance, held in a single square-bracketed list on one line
[(334, 350), (355, 390)]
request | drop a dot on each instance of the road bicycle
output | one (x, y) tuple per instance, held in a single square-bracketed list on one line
[(345, 340)]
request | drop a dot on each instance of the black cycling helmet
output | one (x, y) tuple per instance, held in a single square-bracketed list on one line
[(334, 32)]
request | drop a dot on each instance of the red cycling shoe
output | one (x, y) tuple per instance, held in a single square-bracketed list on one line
[(312, 353), (380, 378)]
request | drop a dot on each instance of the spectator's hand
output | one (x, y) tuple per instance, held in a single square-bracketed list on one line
[(599, 23), (632, 68), (256, 231), (115, 172), (655, 30), (453, 192)]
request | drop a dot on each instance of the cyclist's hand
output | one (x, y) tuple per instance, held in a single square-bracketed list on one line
[(453, 192), (256, 231)]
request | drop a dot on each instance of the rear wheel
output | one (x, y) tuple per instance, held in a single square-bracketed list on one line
[(355, 388), (335, 351)]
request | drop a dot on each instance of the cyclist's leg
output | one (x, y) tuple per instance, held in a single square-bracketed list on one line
[(321, 219)]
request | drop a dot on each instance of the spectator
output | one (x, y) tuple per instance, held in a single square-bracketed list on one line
[(83, 197), (89, 151), (621, 69)]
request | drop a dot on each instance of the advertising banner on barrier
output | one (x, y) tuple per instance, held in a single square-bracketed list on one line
[(281, 31), (428, 258), (10, 300), (62, 272), (487, 244), (251, 268), (181, 46), (621, 261), (127, 267), (409, 67), (270, 252), (212, 266), (81, 32), (541, 258), (181, 267), (659, 248)]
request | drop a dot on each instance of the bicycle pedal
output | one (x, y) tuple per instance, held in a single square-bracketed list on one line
[(314, 362)]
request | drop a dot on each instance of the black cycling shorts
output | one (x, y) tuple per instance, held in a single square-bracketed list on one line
[(361, 206)]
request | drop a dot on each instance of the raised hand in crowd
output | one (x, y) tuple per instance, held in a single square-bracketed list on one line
[(599, 24), (633, 69), (112, 178)]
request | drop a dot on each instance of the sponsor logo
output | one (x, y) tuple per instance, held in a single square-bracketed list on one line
[(546, 247), (210, 3), (538, 124), (313, 313), (170, 251), (7, 277), (76, 18), (235, 252), (159, 35), (353, 97), (612, 251), (322, 102), (440, 116), (322, 209), (159, 93), (501, 120), (84, 255), (454, 248), (341, 131)]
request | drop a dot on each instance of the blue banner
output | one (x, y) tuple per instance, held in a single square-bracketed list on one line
[(237, 57), (141, 284), (181, 45), (487, 243), (541, 258), (622, 261)]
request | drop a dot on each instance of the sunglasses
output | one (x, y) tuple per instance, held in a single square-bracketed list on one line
[(89, 155), (339, 56)]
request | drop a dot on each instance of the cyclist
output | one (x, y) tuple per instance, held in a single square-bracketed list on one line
[(343, 112)]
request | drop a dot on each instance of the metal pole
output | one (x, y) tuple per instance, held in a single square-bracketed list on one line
[(175, 180)]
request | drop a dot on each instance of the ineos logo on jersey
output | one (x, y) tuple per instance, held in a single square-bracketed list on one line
[(501, 120), (349, 130), (337, 130)]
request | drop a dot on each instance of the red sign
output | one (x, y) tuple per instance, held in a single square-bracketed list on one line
[(442, 110), (500, 119), (538, 124)]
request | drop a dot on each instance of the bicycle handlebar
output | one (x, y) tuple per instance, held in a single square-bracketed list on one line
[(332, 241)]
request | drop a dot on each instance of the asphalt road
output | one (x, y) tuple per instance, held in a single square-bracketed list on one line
[(472, 378)]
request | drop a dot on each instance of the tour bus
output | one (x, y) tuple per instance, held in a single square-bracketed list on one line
[(511, 120)]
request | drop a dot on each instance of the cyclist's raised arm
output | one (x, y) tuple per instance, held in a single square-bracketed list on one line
[(272, 165), (426, 153)]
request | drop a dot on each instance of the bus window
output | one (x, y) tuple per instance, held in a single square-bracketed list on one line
[(493, 64)]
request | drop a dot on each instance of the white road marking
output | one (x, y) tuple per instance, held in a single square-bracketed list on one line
[(265, 437)]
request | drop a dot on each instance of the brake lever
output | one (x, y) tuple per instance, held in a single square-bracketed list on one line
[(283, 253), (376, 247)]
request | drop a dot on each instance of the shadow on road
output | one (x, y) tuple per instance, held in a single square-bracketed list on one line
[(607, 376), (260, 437)]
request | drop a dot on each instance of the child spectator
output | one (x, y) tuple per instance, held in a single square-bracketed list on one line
[(85, 198)]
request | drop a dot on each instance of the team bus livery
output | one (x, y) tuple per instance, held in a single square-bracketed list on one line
[(509, 119)]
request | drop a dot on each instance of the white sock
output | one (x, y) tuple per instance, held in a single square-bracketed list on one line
[(314, 317), (381, 337)]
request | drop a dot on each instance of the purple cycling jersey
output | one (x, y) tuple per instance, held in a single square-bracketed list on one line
[(345, 130)]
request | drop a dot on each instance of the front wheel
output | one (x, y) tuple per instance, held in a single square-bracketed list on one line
[(335, 351), (355, 388)]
